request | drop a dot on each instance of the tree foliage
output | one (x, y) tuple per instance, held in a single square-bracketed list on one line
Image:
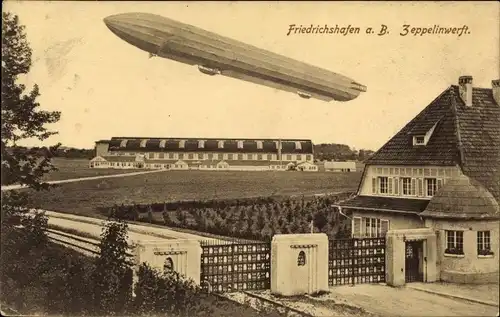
[(22, 117)]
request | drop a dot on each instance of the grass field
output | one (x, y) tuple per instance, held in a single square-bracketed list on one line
[(77, 168), (83, 197)]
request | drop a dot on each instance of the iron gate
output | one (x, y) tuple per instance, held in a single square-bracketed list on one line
[(355, 261), (235, 267)]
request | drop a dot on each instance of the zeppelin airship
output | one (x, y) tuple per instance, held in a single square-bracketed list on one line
[(214, 54)]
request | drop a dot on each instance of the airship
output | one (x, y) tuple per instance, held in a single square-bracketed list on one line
[(214, 54)]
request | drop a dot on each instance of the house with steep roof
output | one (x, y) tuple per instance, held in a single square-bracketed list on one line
[(441, 172)]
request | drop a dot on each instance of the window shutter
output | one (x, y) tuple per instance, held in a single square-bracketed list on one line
[(439, 184), (356, 227), (413, 185), (385, 227), (389, 185), (396, 186), (374, 185)]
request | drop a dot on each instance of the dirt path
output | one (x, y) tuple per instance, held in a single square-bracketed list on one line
[(403, 301), (12, 187)]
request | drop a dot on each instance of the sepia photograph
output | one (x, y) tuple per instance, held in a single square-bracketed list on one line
[(247, 158)]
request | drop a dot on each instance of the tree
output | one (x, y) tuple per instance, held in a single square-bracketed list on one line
[(113, 270), (21, 119)]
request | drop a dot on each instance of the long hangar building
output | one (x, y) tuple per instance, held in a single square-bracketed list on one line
[(205, 154)]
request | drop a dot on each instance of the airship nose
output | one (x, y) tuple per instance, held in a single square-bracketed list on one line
[(138, 29)]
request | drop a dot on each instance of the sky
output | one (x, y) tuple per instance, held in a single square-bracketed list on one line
[(105, 87)]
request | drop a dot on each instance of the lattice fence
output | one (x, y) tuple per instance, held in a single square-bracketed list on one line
[(356, 261), (234, 267)]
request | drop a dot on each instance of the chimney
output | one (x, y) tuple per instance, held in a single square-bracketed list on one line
[(495, 86), (465, 89)]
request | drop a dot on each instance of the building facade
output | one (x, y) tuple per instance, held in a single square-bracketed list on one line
[(440, 172), (204, 154), (338, 166)]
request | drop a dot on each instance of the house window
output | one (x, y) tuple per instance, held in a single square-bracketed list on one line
[(369, 227), (181, 156), (288, 157), (161, 155), (299, 157), (406, 183), (383, 185), (190, 156), (269, 157), (308, 157), (483, 243), (151, 156), (200, 156), (210, 156), (431, 186), (250, 156), (454, 242), (230, 156), (171, 155), (220, 156), (418, 140), (240, 156), (259, 157)]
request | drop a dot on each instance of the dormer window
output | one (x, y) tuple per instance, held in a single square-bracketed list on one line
[(419, 140), (143, 142), (298, 145), (220, 144), (123, 143), (162, 144), (259, 145), (201, 144), (277, 143), (240, 144), (182, 144)]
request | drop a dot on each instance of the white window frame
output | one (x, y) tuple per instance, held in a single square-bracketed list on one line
[(483, 241), (375, 225), (406, 190), (454, 240), (430, 191), (416, 140), (380, 179)]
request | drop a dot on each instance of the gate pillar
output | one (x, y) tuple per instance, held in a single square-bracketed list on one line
[(299, 264), (181, 256), (396, 254)]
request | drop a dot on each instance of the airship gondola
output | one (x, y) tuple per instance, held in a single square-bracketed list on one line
[(214, 54)]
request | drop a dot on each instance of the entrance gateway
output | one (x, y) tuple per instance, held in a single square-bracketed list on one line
[(413, 257)]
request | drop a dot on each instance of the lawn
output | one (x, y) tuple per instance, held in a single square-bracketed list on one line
[(85, 196), (77, 168)]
